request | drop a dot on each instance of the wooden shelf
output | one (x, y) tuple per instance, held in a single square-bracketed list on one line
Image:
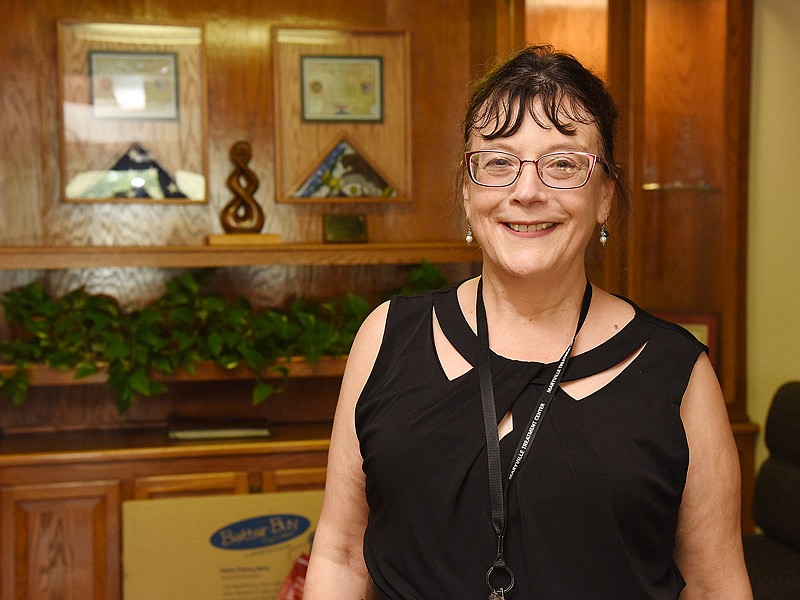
[(119, 445), (39, 375), (88, 257), (679, 186)]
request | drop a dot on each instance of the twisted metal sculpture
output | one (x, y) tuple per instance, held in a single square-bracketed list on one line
[(242, 214)]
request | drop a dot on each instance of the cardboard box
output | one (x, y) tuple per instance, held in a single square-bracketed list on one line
[(237, 547)]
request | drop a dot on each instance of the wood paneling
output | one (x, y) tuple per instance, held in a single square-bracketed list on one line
[(497, 29), (681, 241), (241, 82), (579, 29), (240, 86), (22, 201), (688, 245), (679, 70)]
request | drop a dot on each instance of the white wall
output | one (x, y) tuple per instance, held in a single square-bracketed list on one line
[(773, 297)]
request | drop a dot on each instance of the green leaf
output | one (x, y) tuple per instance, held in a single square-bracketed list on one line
[(140, 354), (230, 338), (116, 350), (86, 369), (157, 387), (254, 359), (262, 391), (422, 278), (152, 339), (214, 304), (188, 281), (124, 398), (140, 382), (162, 364), (185, 340), (356, 305), (215, 343), (227, 362), (15, 387)]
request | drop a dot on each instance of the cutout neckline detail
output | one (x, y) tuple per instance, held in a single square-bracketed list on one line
[(454, 326)]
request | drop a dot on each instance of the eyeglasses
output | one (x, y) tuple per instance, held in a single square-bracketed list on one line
[(557, 170)]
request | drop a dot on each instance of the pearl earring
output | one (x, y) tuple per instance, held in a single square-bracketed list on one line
[(469, 237), (604, 233)]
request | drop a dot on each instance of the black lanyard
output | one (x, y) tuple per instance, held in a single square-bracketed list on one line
[(497, 489)]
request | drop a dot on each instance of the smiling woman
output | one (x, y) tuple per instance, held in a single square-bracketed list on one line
[(550, 435), (558, 202)]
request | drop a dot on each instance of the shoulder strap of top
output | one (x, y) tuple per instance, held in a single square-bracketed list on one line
[(454, 325)]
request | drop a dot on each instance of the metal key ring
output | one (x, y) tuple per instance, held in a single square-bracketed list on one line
[(510, 576)]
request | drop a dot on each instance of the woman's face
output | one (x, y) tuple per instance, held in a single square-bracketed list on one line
[(528, 228)]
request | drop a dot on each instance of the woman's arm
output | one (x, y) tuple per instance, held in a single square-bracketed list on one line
[(336, 568), (709, 539)]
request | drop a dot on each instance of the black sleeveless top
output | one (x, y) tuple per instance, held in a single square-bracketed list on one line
[(592, 513)]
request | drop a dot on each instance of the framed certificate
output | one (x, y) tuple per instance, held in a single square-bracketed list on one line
[(342, 115), (134, 85), (342, 88), (132, 100)]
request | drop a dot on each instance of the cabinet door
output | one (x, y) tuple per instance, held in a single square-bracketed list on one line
[(293, 480), (688, 243), (60, 540), (190, 484)]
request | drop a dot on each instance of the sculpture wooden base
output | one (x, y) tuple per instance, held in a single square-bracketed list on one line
[(244, 239)]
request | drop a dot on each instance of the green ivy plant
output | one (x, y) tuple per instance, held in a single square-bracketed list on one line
[(189, 324)]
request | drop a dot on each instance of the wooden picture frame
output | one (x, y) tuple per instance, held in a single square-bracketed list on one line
[(373, 137), (132, 108), (704, 326)]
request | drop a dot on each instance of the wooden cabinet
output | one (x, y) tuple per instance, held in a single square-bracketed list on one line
[(687, 154), (680, 71), (61, 496), (686, 94)]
